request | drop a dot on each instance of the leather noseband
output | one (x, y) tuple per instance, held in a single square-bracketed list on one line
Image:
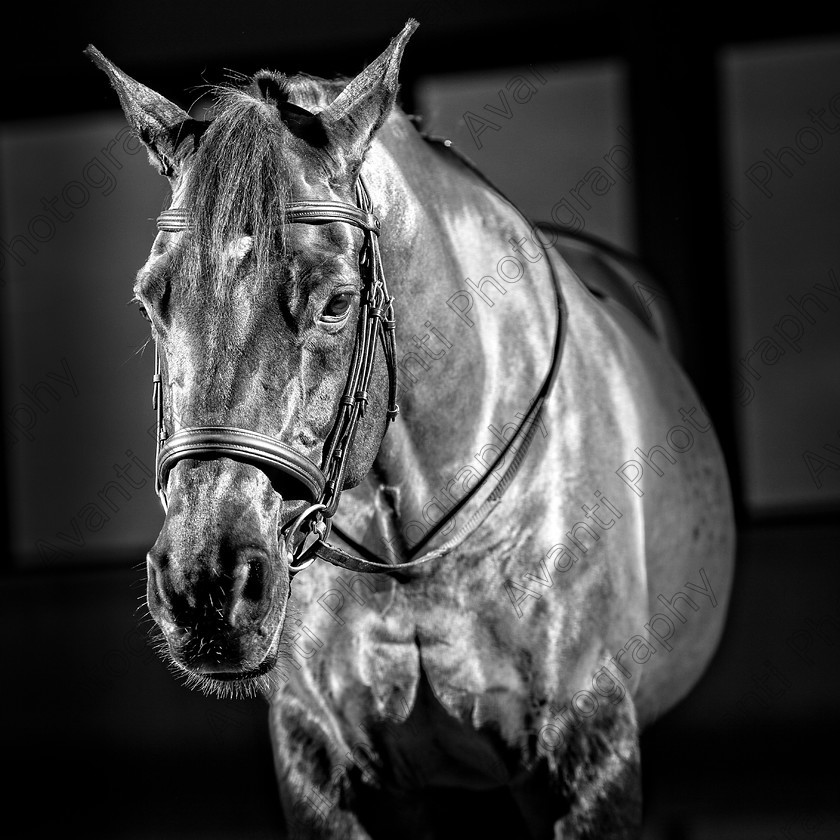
[(267, 453)]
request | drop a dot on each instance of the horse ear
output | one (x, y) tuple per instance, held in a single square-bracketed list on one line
[(351, 120), (160, 124)]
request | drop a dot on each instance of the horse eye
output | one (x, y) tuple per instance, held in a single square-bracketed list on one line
[(338, 307)]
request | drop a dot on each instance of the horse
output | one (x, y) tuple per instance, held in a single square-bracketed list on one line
[(434, 484)]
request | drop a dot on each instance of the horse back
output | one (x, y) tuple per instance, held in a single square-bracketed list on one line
[(612, 274)]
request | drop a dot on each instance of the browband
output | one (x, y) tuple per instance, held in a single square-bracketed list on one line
[(315, 212), (173, 220), (178, 219)]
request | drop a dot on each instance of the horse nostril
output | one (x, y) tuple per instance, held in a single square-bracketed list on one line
[(160, 597), (155, 594), (255, 580), (205, 596)]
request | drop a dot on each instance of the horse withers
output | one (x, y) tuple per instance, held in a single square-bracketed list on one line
[(430, 486)]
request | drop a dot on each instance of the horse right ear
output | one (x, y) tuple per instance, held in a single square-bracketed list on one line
[(353, 117), (167, 131)]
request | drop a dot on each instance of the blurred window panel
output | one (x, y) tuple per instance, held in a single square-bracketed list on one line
[(554, 139), (782, 142), (78, 207)]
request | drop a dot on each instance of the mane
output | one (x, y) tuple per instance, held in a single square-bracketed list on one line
[(240, 177)]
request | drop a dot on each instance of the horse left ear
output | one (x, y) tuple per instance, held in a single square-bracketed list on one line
[(351, 120), (168, 132)]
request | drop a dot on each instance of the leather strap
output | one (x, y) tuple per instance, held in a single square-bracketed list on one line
[(517, 447), (338, 557), (174, 220), (317, 212), (265, 452)]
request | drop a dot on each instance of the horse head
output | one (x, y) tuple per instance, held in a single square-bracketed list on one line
[(257, 322)]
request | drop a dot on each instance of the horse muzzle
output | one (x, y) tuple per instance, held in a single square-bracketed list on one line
[(217, 624), (218, 575)]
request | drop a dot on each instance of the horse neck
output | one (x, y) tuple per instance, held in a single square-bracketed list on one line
[(444, 235)]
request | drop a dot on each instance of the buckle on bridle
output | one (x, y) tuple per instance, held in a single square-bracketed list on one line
[(299, 546)]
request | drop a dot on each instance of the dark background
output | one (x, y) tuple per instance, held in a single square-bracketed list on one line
[(98, 736)]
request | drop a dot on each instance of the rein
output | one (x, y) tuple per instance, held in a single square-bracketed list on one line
[(306, 539)]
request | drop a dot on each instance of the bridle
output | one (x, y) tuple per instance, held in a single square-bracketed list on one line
[(305, 540), (321, 485)]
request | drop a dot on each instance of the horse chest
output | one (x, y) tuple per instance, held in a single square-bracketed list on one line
[(436, 710), (426, 669)]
